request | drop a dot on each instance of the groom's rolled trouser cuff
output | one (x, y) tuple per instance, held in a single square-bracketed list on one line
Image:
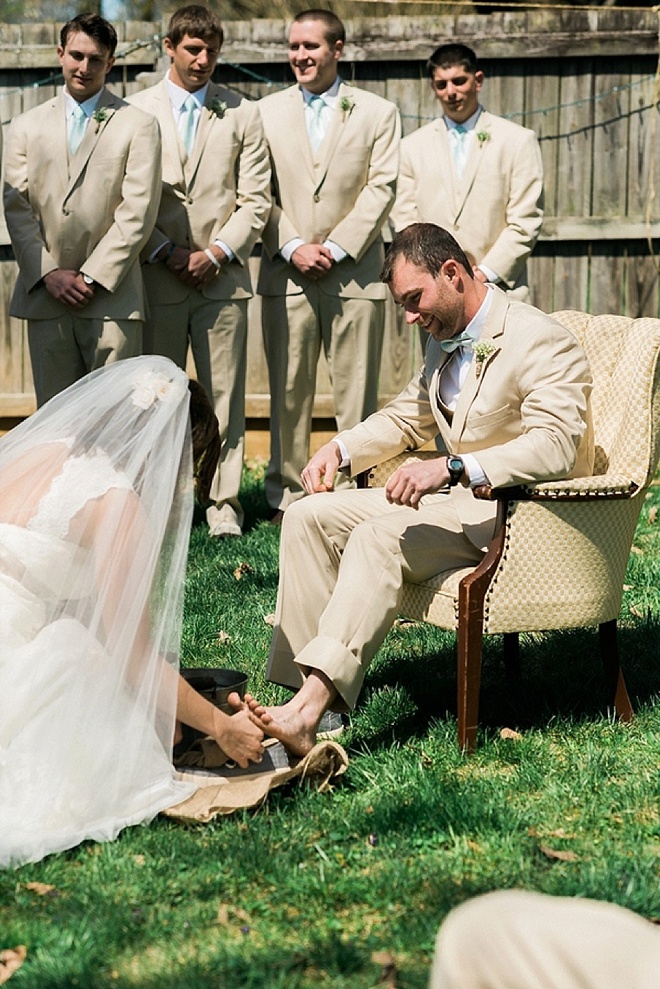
[(335, 661)]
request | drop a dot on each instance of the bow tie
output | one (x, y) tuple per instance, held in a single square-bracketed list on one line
[(463, 339)]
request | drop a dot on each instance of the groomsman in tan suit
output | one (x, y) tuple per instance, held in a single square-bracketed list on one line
[(516, 413), (216, 197), (82, 184), (476, 174), (334, 152)]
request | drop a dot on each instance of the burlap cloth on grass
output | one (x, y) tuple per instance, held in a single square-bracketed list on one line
[(223, 787)]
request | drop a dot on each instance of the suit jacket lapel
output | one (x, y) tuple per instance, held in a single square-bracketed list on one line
[(207, 121), (493, 331), (105, 110), (60, 138), (447, 188), (173, 149), (473, 164)]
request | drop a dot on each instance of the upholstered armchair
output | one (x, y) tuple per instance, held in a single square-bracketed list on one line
[(559, 555)]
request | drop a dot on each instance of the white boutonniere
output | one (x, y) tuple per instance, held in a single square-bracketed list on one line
[(218, 108), (346, 106), (482, 350), (483, 136), (100, 115)]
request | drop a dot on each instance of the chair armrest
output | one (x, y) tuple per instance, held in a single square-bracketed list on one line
[(592, 488)]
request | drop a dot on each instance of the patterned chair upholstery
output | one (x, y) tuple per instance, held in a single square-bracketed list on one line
[(560, 553)]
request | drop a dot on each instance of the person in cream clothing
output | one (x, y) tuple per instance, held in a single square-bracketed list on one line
[(82, 184), (475, 173), (515, 939), (518, 412), (216, 197), (334, 154)]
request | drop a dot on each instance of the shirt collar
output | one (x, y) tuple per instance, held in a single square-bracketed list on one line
[(179, 95), (476, 325), (329, 97), (468, 124), (89, 106)]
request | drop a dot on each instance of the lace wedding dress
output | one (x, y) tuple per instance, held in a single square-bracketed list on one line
[(95, 509)]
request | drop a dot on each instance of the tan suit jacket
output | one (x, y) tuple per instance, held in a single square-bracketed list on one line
[(343, 193), (93, 210), (525, 416), (494, 210), (221, 191)]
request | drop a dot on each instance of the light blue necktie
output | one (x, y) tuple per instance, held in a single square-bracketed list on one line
[(77, 127), (459, 147), (315, 127), (188, 123), (463, 339)]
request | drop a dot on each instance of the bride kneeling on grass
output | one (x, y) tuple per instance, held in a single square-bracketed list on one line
[(96, 502)]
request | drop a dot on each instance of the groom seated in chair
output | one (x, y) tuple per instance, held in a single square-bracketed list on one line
[(506, 390)]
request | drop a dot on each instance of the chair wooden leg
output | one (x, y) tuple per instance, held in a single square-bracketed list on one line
[(616, 686), (470, 638), (512, 659)]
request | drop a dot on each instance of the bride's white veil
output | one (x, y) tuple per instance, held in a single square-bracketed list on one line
[(96, 501)]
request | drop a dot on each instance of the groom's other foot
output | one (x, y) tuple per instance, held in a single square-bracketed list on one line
[(223, 521)]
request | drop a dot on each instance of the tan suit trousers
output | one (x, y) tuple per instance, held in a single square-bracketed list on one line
[(217, 332), (294, 328), (516, 940), (64, 349), (344, 557)]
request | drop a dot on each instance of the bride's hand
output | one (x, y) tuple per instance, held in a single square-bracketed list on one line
[(239, 738)]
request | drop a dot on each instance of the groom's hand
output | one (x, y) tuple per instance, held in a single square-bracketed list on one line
[(319, 474)]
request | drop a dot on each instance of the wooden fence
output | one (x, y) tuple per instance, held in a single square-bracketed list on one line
[(584, 79)]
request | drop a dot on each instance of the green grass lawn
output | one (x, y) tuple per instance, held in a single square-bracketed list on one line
[(309, 890)]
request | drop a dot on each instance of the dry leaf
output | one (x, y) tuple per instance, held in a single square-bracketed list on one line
[(41, 889), (559, 854), (510, 733), (10, 960), (242, 569), (139, 859), (270, 619), (636, 612), (637, 551), (653, 514), (226, 915), (224, 636), (628, 587), (388, 968)]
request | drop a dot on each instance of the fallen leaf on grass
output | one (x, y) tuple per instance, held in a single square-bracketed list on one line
[(139, 859), (510, 733), (653, 514), (270, 619), (41, 889), (388, 968), (558, 853), (242, 569), (636, 612), (637, 551), (10, 960), (628, 587), (231, 916), (224, 637)]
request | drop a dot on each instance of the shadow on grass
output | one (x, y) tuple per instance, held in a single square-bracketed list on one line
[(562, 676)]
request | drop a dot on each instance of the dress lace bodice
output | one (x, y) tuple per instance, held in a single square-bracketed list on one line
[(81, 479)]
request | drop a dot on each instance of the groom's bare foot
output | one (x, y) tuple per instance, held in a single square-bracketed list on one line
[(287, 723)]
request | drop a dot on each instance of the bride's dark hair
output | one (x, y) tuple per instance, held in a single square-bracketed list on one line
[(205, 440)]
